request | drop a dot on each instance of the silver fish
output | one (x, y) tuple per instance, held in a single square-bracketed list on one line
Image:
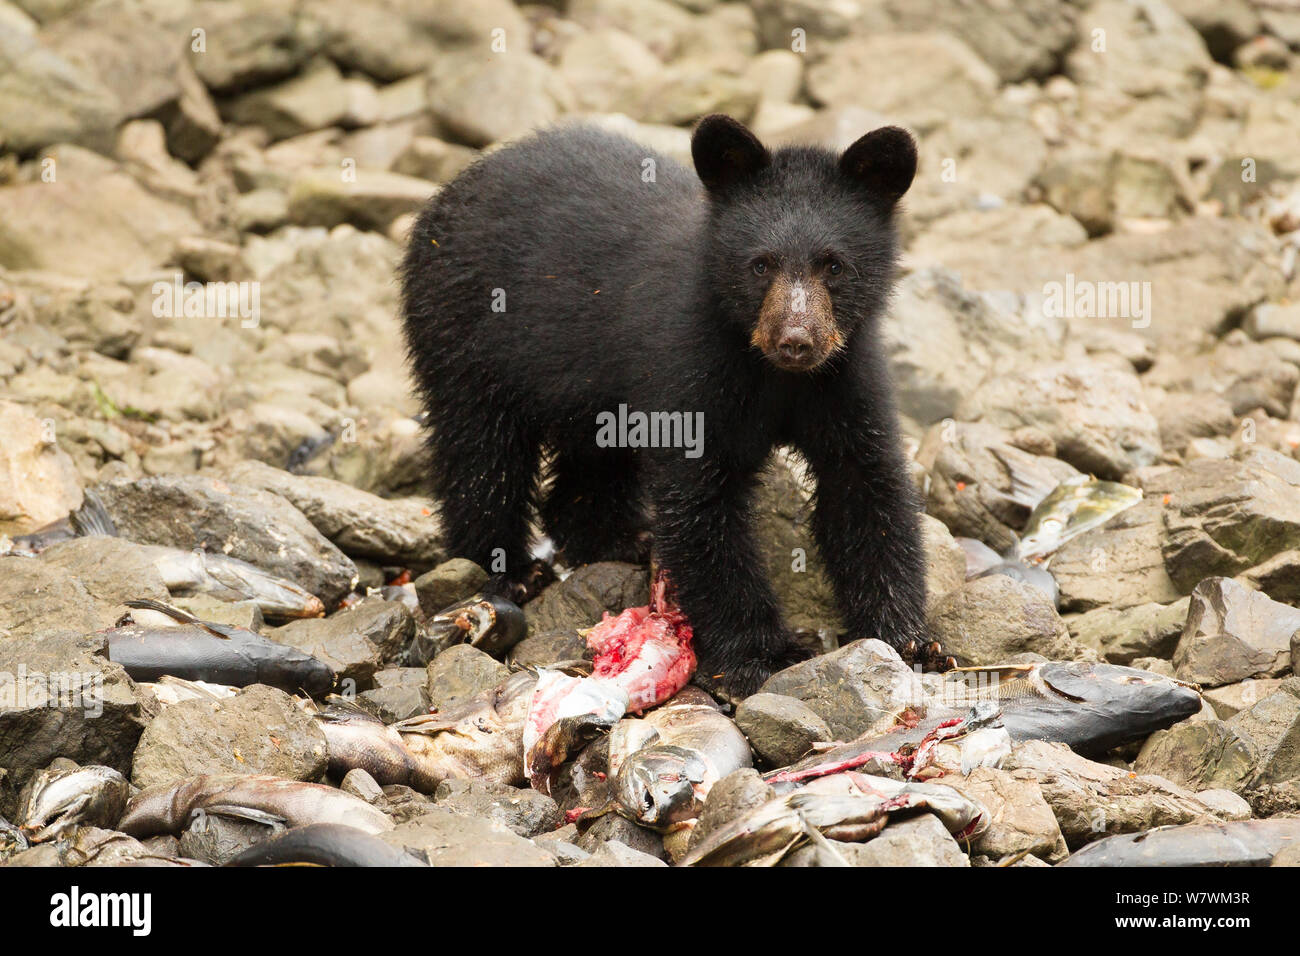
[(665, 763), (229, 579), (1077, 505), (167, 808)]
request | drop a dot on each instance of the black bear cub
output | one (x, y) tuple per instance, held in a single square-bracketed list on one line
[(583, 310)]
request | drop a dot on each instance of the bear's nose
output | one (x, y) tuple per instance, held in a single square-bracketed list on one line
[(795, 346)]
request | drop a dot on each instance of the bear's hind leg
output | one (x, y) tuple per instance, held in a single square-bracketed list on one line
[(593, 507), (485, 464)]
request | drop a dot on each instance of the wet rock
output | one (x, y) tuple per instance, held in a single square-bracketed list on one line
[(1199, 754), (1233, 633), (1092, 800), (354, 643), (450, 582), (526, 812), (614, 853), (850, 688), (780, 729), (1121, 564), (584, 596), (548, 647), (60, 696), (399, 693), (446, 838), (1122, 636), (38, 480), (216, 840), (1223, 517), (991, 618), (460, 672), (731, 797), (246, 523), (1094, 412), (1231, 699), (259, 730), (612, 827), (1020, 819)]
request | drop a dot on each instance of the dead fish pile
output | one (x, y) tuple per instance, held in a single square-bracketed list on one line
[(1077, 505), (1090, 707), (261, 798), (324, 844), (490, 623), (1238, 843), (643, 656), (849, 807), (665, 764), (189, 648), (63, 799), (482, 739)]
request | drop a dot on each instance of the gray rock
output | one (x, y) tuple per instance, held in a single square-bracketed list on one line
[(730, 798), (111, 570), (363, 786), (44, 99), (1200, 755), (920, 841), (399, 693), (1272, 727), (314, 99), (559, 843), (614, 853), (460, 672), (188, 511), (216, 840), (584, 596), (1092, 800), (1122, 636), (615, 828), (60, 696), (450, 582), (989, 619), (250, 44), (1231, 699), (370, 199), (1224, 517), (403, 531), (1233, 633), (446, 838), (481, 99), (354, 643), (1121, 564), (526, 812), (780, 729), (259, 730), (850, 688), (548, 647)]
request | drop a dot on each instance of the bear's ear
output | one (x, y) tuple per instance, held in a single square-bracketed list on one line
[(884, 161), (725, 152)]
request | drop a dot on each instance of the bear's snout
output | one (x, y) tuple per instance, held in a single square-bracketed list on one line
[(796, 329)]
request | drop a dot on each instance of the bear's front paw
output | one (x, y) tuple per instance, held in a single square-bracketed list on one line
[(929, 654), (523, 586)]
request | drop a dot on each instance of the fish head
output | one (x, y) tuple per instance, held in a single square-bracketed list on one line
[(660, 786)]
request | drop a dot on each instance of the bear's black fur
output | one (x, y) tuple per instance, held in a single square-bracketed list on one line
[(576, 271)]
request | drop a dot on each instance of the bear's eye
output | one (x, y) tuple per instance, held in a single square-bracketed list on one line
[(759, 266), (834, 267)]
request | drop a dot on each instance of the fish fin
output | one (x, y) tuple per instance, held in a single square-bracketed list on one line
[(176, 614), (1030, 481), (92, 518), (249, 814)]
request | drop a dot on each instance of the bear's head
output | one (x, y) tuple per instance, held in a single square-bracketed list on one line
[(802, 244)]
